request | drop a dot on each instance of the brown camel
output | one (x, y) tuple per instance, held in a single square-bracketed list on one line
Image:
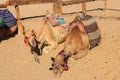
[(76, 46)]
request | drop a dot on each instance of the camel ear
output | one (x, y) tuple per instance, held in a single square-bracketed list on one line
[(33, 33), (23, 31), (52, 58)]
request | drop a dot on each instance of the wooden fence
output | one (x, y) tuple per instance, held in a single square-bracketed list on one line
[(57, 6)]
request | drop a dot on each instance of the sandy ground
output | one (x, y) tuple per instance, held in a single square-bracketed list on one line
[(102, 62)]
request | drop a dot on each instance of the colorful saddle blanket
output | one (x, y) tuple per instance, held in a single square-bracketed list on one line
[(8, 19), (60, 20), (55, 20), (52, 20), (91, 28)]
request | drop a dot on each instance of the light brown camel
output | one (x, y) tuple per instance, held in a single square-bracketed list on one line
[(48, 35)]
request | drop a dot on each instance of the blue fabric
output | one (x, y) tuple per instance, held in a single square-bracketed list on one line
[(63, 53), (60, 20), (8, 18)]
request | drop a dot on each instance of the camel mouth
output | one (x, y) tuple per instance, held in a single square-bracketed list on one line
[(26, 41), (36, 50)]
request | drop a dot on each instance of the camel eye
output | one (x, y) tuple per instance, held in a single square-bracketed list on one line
[(62, 65), (26, 37), (52, 65)]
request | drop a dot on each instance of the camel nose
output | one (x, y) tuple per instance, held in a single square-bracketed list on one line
[(26, 41), (57, 74)]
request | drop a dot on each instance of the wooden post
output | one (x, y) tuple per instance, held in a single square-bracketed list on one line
[(84, 8), (57, 7), (105, 4), (17, 13), (105, 7), (19, 23)]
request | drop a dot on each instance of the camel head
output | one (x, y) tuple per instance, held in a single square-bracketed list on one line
[(59, 64), (30, 40)]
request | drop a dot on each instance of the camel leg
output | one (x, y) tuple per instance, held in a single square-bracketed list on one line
[(80, 54), (41, 42), (52, 43), (52, 46), (41, 38), (11, 30)]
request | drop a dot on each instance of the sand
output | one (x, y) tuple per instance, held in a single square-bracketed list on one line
[(101, 63)]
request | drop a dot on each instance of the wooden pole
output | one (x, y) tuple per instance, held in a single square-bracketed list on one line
[(105, 7), (105, 4), (19, 23), (17, 12), (84, 8), (57, 7)]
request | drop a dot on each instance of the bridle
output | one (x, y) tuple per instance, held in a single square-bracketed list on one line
[(27, 38), (65, 65), (33, 48)]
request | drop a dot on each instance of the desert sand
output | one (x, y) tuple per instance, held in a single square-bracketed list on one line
[(101, 63)]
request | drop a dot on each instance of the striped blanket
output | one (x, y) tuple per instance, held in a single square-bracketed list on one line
[(91, 28), (8, 19)]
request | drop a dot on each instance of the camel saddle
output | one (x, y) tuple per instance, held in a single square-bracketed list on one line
[(91, 28), (55, 20)]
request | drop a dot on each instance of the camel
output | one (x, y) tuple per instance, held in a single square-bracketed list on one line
[(52, 35), (76, 46), (47, 35), (7, 31), (8, 23)]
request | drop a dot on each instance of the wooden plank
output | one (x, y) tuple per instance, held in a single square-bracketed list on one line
[(70, 2), (22, 2), (25, 2)]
